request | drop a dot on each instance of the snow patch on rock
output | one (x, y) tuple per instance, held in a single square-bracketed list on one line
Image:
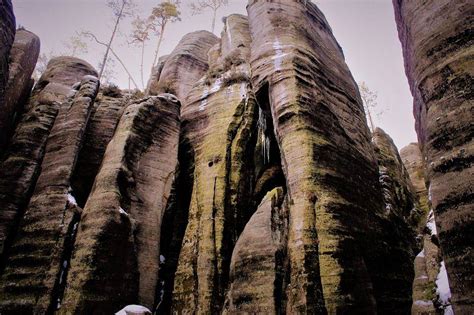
[(134, 309)]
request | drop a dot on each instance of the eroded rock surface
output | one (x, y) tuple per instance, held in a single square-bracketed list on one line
[(7, 35), (122, 216), (21, 165), (36, 267), (186, 64), (437, 43), (23, 57)]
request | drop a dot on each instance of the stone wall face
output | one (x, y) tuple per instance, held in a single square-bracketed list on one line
[(437, 40)]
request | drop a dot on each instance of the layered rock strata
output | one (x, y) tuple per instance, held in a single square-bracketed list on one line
[(187, 63), (437, 43), (21, 165), (219, 119), (23, 57), (36, 267), (7, 36), (118, 236)]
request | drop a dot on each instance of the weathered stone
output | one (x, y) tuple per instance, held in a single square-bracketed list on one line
[(22, 160), (23, 57), (7, 36), (116, 256), (334, 247), (257, 271), (36, 267), (413, 161), (437, 40), (186, 64), (104, 119), (219, 119)]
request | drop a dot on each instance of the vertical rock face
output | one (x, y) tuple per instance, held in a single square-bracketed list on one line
[(186, 64), (23, 57), (219, 116), (21, 165), (116, 255), (257, 271), (325, 149), (7, 35), (437, 41), (48, 225), (413, 161), (403, 214), (105, 115)]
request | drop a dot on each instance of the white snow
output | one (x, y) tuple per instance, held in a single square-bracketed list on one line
[(162, 259), (421, 254), (429, 193), (279, 54), (71, 199), (442, 283), (123, 211), (430, 224), (134, 309), (243, 89), (217, 85), (204, 96), (423, 303)]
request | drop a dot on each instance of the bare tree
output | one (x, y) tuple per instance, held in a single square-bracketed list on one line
[(141, 29), (120, 9), (103, 64), (369, 98), (76, 45), (167, 11), (109, 73), (199, 6)]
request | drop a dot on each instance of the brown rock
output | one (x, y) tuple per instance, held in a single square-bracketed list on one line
[(186, 64), (299, 72), (116, 256), (218, 121), (104, 119), (22, 160), (23, 57), (7, 36), (437, 43), (257, 270), (36, 268)]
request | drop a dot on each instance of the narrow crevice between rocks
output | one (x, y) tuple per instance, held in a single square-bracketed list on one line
[(175, 221), (68, 248)]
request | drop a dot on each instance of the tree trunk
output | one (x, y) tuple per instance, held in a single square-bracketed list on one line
[(111, 39), (214, 20), (158, 45), (141, 64)]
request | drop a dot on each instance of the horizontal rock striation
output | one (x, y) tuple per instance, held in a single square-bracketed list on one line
[(437, 42), (7, 36), (116, 255), (35, 269), (219, 119), (24, 54), (186, 64), (21, 163)]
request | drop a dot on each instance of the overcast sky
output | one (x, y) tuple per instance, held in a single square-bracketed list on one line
[(365, 29)]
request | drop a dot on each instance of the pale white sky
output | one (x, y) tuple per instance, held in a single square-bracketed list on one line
[(365, 29)]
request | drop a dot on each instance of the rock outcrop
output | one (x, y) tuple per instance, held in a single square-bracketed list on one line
[(437, 41), (36, 267), (7, 35), (187, 63), (116, 256), (21, 165), (23, 57)]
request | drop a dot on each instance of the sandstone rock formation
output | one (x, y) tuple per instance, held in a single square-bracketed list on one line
[(119, 231), (436, 38), (7, 35), (21, 165), (187, 63), (23, 57), (48, 226)]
